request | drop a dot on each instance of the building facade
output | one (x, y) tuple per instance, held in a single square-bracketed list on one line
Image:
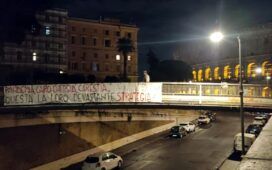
[(92, 48), (43, 48), (219, 63)]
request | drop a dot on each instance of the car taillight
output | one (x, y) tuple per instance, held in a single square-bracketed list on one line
[(97, 165)]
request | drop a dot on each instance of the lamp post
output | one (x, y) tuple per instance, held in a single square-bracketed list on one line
[(217, 37)]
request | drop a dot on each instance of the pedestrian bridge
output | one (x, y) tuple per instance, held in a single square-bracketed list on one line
[(135, 94)]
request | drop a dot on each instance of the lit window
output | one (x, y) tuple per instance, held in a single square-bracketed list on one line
[(95, 67), (129, 58), (34, 56), (47, 30), (118, 57)]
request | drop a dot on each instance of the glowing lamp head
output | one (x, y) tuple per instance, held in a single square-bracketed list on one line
[(258, 70), (216, 37)]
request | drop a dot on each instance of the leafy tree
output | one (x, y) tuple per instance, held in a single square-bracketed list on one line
[(125, 46)]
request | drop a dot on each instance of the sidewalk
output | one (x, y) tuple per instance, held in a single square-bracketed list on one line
[(259, 155)]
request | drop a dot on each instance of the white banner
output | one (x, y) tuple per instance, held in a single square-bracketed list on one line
[(82, 93)]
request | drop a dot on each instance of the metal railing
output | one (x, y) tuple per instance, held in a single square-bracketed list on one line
[(203, 94)]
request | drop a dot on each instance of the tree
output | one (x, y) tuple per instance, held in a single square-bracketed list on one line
[(125, 46)]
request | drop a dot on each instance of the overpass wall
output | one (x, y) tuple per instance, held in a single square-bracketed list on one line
[(58, 138)]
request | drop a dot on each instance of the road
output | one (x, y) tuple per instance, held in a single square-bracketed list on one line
[(205, 149)]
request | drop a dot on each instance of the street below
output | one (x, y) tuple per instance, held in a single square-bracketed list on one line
[(206, 148)]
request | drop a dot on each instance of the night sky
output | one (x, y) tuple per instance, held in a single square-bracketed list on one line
[(162, 23)]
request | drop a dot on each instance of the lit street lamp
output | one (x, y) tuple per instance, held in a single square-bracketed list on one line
[(217, 37), (258, 70)]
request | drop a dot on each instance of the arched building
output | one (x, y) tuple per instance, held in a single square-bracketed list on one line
[(219, 62)]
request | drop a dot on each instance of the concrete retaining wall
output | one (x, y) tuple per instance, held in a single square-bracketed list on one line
[(61, 163)]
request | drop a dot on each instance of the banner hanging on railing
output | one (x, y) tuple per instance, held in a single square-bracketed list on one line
[(82, 93)]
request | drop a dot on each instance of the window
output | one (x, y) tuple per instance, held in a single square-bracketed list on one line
[(118, 33), (118, 68), (95, 55), (105, 157), (112, 156), (46, 57), (19, 55), (73, 40), (47, 18), (84, 66), (129, 35), (83, 40), (83, 29), (266, 41), (33, 43), (34, 56), (94, 41), (95, 67), (107, 67), (107, 56), (83, 56), (60, 19), (118, 57), (74, 66), (107, 43), (60, 46), (73, 28), (47, 30), (129, 58), (129, 68), (73, 53), (107, 32), (47, 45)]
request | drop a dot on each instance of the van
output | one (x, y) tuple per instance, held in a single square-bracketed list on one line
[(249, 139)]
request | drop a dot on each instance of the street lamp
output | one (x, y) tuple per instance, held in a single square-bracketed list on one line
[(258, 70), (217, 37)]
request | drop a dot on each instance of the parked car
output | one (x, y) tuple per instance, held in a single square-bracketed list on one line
[(178, 132), (249, 139), (188, 126), (203, 119), (254, 129), (104, 161), (259, 121), (266, 116), (211, 115)]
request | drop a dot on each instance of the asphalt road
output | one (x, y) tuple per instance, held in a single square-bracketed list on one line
[(204, 149)]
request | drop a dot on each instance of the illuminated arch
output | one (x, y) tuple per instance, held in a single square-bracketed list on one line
[(266, 68), (208, 73), (199, 75), (266, 92), (237, 71), (251, 67), (227, 72), (216, 73), (194, 75)]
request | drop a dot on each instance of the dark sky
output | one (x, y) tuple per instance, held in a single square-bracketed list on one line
[(163, 23)]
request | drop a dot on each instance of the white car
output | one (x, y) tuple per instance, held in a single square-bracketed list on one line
[(104, 161), (259, 121), (203, 119), (188, 126)]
